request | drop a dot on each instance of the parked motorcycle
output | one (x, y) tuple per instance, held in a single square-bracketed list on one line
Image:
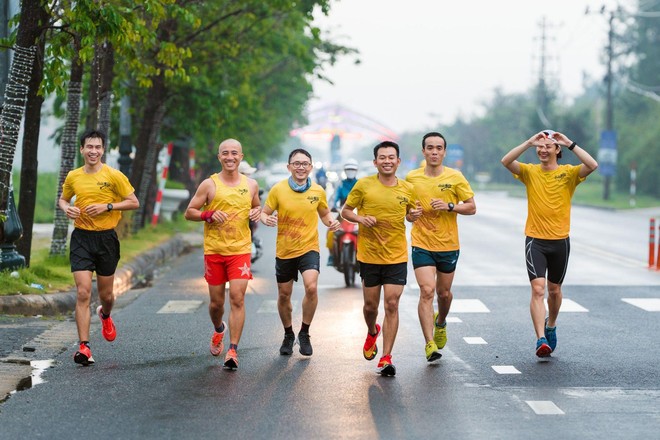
[(344, 251)]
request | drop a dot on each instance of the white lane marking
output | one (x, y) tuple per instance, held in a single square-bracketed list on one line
[(472, 340), (544, 407), (505, 369), (454, 319), (568, 305), (270, 306), (468, 306), (180, 306), (648, 304)]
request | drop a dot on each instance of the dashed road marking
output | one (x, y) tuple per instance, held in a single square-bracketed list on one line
[(568, 305), (648, 304), (180, 306), (505, 369), (544, 407), (454, 319), (474, 340), (468, 306)]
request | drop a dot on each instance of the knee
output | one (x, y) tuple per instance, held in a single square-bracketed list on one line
[(444, 293), (554, 291), (426, 293), (237, 302), (370, 307), (215, 305), (391, 305), (312, 292), (538, 291), (84, 294)]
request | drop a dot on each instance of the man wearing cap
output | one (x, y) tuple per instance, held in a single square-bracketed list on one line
[(339, 198), (550, 187)]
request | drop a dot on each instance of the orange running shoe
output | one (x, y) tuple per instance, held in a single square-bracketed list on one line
[(231, 360), (385, 366), (109, 330), (370, 349), (217, 346), (83, 356)]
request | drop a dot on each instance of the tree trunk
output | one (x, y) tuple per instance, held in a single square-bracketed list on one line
[(146, 154), (105, 91), (27, 197), (68, 150), (94, 95)]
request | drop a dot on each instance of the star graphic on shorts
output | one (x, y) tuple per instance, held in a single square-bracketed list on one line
[(245, 270)]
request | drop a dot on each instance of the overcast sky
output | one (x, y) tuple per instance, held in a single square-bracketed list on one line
[(427, 61)]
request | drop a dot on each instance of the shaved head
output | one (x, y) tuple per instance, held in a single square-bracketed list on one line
[(230, 143)]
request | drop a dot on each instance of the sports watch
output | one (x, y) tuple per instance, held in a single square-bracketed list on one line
[(110, 207), (451, 206)]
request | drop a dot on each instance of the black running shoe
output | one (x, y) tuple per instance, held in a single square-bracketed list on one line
[(287, 344), (305, 344)]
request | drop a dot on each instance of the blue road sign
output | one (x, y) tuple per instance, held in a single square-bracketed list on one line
[(607, 154), (454, 156)]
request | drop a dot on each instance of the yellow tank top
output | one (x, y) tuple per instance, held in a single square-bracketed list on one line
[(232, 237)]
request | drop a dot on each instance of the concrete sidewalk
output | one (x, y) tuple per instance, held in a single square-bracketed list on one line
[(137, 271)]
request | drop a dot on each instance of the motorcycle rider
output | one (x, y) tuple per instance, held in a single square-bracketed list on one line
[(339, 198)]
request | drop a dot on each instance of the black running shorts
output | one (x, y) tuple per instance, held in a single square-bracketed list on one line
[(95, 251), (547, 255), (380, 274), (287, 269)]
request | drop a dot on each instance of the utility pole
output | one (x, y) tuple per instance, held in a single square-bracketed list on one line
[(609, 118), (542, 87)]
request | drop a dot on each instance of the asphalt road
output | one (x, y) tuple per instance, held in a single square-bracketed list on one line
[(158, 380)]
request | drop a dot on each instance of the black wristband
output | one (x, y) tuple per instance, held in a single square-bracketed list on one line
[(570, 147)]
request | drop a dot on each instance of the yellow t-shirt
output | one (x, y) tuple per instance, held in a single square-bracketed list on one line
[(232, 237), (107, 185), (384, 243), (549, 196), (297, 218), (437, 231)]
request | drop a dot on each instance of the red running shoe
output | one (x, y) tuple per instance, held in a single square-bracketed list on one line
[(231, 360), (385, 366), (83, 356), (109, 331), (217, 346), (370, 349)]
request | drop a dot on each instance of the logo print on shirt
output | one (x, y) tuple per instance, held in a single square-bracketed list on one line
[(444, 186), (402, 200), (103, 185), (561, 176), (313, 199), (242, 191)]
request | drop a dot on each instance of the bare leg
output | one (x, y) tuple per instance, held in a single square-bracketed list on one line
[(83, 281), (237, 290), (284, 306), (426, 281), (536, 306), (392, 294)]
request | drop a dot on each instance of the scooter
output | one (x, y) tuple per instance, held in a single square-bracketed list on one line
[(344, 251), (257, 248)]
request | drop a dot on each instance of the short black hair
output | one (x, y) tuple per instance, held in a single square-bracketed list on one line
[(386, 144), (300, 150), (433, 134), (92, 134)]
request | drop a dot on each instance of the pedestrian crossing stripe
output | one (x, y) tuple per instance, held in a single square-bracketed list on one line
[(468, 306), (180, 306), (544, 407), (474, 340), (568, 305), (454, 319), (648, 304), (505, 369)]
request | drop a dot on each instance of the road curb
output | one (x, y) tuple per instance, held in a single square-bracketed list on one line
[(137, 271)]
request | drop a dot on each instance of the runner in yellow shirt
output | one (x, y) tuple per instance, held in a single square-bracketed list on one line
[(226, 202), (382, 202), (443, 193), (550, 187), (101, 192), (294, 206)]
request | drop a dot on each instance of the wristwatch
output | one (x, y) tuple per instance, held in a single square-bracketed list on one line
[(451, 206), (110, 207)]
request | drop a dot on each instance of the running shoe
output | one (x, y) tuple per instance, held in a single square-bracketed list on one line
[(432, 353), (305, 344), (287, 344), (231, 360), (83, 356), (108, 331), (439, 333), (370, 349), (551, 335), (386, 367), (542, 348), (217, 346)]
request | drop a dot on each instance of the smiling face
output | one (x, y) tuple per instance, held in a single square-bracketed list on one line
[(92, 150), (547, 151), (387, 161), (300, 165), (230, 154)]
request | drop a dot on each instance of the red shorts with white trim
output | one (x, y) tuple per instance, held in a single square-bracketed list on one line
[(218, 269)]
